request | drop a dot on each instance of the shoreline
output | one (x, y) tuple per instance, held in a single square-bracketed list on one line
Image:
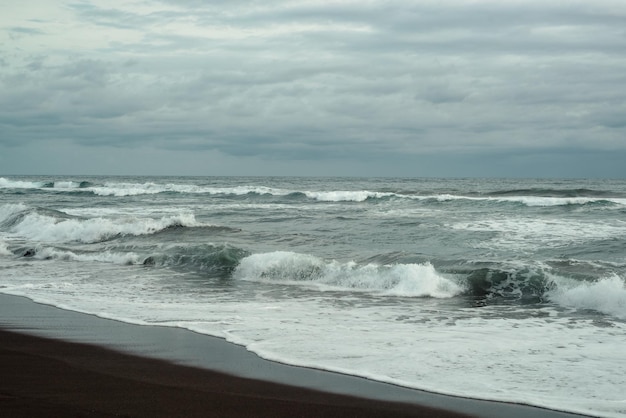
[(180, 359)]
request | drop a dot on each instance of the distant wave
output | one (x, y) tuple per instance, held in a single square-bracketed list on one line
[(528, 197), (543, 192), (528, 200), (133, 189), (64, 184), (347, 196)]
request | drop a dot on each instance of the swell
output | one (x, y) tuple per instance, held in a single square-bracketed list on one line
[(206, 260)]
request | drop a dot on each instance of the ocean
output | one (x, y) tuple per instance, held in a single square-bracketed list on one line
[(503, 289)]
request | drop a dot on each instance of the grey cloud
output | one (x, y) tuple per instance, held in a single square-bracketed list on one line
[(379, 80), (114, 18), (27, 31)]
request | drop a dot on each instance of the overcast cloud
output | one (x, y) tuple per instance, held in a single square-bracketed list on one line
[(396, 87)]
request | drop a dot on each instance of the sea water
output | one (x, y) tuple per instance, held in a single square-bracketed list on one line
[(500, 289)]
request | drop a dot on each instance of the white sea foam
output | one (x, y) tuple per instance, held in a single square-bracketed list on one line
[(525, 200), (21, 184), (607, 295), (547, 360), (44, 228), (558, 201), (125, 258), (18, 184), (532, 233), (564, 353), (127, 189), (411, 280), (11, 209), (133, 189), (66, 185), (4, 250), (120, 189), (345, 196)]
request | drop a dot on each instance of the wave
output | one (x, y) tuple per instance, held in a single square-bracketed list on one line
[(205, 259), (528, 200), (541, 284), (121, 189), (208, 259), (4, 249), (560, 201), (18, 184), (606, 295), (409, 280), (130, 189), (529, 233), (62, 184), (484, 285), (347, 195), (51, 253), (134, 189), (547, 192), (496, 284), (53, 226), (527, 197)]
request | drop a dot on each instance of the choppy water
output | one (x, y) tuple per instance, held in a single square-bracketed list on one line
[(497, 289)]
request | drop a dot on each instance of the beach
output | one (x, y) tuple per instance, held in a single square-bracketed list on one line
[(47, 377), (429, 292), (62, 363)]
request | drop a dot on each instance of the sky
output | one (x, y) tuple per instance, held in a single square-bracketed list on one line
[(456, 88)]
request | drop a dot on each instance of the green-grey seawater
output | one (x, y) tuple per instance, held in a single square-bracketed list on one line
[(490, 288)]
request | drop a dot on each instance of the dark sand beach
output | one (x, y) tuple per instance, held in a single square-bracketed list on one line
[(60, 363)]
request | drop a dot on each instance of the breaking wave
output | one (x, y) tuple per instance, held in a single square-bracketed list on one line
[(493, 284), (607, 295), (133, 189), (410, 280), (490, 285), (51, 253), (4, 249), (62, 184), (346, 195), (209, 259), (53, 226)]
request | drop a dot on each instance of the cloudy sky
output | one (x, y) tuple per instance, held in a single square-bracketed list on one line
[(523, 88)]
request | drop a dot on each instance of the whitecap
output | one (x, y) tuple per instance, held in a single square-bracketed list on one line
[(409, 280), (607, 295), (45, 228)]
